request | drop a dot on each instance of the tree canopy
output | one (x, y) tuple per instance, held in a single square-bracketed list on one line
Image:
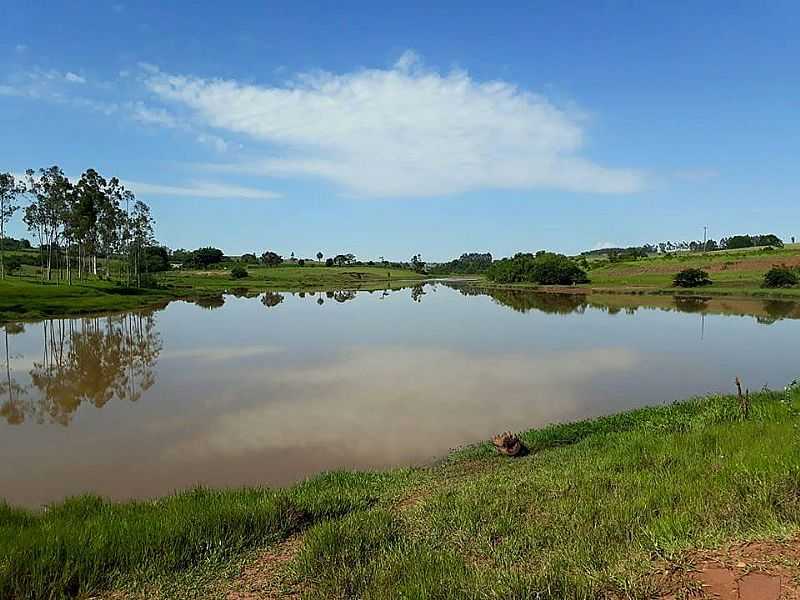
[(204, 257), (546, 268), (271, 259)]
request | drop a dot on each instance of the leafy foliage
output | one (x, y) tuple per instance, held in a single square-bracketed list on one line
[(155, 259), (691, 278), (205, 257), (12, 264), (271, 259), (239, 272), (780, 277), (546, 268), (417, 263), (340, 260), (472, 262)]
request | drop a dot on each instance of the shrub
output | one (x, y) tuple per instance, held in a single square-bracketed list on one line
[(546, 268), (780, 277), (690, 278), (12, 264), (239, 272)]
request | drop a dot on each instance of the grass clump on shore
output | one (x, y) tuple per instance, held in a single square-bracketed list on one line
[(85, 543), (592, 510)]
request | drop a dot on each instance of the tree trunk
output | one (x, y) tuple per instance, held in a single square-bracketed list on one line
[(2, 246), (69, 271), (49, 260)]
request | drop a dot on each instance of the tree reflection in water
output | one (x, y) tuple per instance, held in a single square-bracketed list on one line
[(271, 299), (84, 360)]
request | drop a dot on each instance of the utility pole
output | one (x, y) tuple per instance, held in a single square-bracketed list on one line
[(705, 238)]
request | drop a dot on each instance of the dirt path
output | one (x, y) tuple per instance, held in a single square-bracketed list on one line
[(267, 577), (768, 570)]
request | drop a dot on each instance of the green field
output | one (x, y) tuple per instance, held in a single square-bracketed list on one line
[(26, 296), (735, 272), (597, 507)]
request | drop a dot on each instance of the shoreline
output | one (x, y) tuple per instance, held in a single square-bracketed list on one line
[(105, 299), (606, 492)]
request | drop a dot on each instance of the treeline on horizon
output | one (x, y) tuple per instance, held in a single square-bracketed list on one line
[(214, 258), (734, 242), (75, 224)]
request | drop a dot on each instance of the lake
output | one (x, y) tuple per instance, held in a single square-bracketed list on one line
[(270, 389)]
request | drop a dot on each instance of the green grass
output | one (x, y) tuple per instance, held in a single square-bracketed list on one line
[(591, 510), (734, 272), (26, 296)]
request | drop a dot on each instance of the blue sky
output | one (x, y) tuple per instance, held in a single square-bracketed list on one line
[(390, 129)]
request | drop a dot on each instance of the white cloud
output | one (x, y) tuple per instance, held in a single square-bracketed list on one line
[(604, 245), (159, 116), (152, 116), (20, 48), (74, 77), (200, 190), (403, 131), (334, 405)]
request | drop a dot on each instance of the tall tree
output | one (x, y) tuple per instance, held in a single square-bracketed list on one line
[(89, 198), (141, 236), (10, 189), (111, 221), (46, 214)]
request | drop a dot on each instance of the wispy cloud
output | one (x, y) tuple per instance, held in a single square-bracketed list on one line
[(152, 116), (74, 77), (403, 131), (200, 189)]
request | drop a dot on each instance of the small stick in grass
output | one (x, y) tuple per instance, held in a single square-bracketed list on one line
[(744, 399)]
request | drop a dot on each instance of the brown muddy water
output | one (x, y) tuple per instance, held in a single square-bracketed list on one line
[(272, 389)]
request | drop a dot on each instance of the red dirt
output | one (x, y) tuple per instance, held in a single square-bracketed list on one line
[(766, 570), (715, 265)]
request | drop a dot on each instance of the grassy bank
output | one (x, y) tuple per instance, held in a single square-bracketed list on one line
[(738, 272), (734, 273), (569, 300), (27, 297), (594, 508)]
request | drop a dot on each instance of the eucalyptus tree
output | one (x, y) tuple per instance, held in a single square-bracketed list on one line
[(89, 199), (46, 214), (112, 221), (140, 235), (10, 190)]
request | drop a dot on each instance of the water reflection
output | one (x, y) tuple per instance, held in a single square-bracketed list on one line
[(242, 395), (765, 311), (210, 302), (92, 360), (271, 299)]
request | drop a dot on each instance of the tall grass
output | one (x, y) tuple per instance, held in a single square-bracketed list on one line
[(81, 545)]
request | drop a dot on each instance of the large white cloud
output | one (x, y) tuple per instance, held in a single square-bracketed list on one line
[(402, 131)]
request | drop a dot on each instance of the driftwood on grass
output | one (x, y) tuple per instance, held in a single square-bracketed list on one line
[(508, 443)]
